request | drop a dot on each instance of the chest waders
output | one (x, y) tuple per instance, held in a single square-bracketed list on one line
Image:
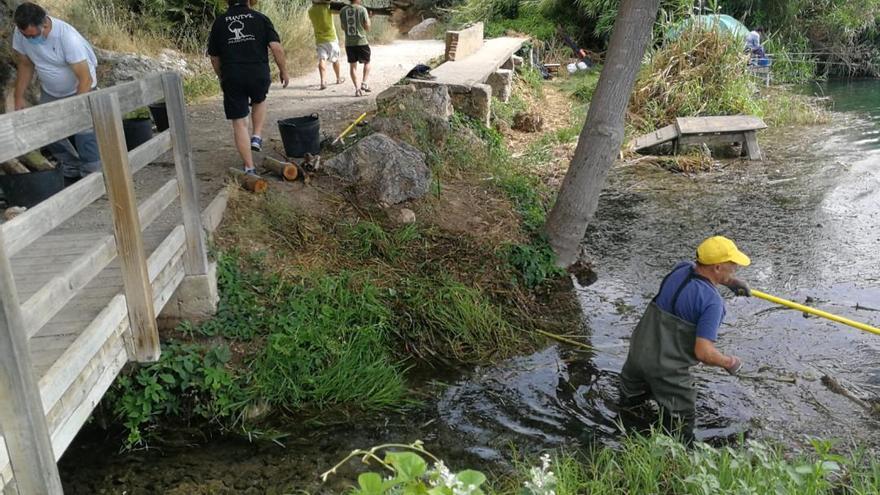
[(661, 353)]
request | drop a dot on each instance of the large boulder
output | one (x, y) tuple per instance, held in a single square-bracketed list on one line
[(409, 99), (419, 131), (382, 170), (116, 67), (425, 30)]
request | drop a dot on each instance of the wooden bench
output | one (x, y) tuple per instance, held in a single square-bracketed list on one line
[(709, 130)]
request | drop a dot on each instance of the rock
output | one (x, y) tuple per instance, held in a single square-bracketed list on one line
[(116, 67), (425, 30), (501, 82), (475, 102), (528, 122), (13, 212), (406, 129), (404, 216), (382, 170), (408, 98)]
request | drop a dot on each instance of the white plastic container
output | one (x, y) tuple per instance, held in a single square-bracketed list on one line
[(572, 68)]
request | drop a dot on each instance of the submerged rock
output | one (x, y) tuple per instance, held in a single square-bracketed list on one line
[(383, 170)]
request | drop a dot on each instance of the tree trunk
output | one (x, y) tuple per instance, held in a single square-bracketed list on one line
[(602, 135)]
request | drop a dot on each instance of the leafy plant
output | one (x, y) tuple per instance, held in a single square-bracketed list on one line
[(535, 262), (189, 380), (410, 474)]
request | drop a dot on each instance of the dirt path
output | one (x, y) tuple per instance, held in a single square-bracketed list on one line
[(211, 134)]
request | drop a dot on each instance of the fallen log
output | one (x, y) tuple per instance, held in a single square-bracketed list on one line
[(35, 161), (251, 183), (285, 170), (13, 167)]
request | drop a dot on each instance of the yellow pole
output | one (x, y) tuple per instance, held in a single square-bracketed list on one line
[(349, 128), (817, 312)]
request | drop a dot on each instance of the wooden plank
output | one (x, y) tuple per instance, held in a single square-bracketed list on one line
[(129, 244), (709, 125), (196, 258), (24, 229), (65, 370), (146, 153), (660, 136), (22, 419), (750, 146), (213, 213), (35, 127), (712, 139)]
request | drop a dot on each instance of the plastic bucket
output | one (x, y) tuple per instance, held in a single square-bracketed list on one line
[(137, 132), (764, 62), (30, 189), (301, 135), (160, 115)]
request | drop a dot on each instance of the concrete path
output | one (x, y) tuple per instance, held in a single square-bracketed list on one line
[(337, 107)]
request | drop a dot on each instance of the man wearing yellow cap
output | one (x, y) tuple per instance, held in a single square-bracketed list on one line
[(678, 330)]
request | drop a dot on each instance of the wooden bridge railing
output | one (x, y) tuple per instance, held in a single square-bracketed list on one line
[(23, 408)]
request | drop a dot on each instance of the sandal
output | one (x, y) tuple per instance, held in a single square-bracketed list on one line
[(358, 92), (340, 80), (365, 88)]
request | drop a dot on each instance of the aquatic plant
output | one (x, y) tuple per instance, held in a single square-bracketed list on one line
[(410, 473)]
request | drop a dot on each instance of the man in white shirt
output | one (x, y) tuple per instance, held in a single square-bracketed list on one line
[(65, 65)]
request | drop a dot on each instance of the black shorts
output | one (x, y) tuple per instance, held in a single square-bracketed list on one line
[(244, 85), (357, 54)]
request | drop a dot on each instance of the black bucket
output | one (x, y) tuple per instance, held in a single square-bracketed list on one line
[(29, 189), (301, 135), (137, 132), (160, 115)]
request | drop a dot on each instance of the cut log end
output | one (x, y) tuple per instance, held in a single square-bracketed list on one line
[(250, 183), (285, 170)]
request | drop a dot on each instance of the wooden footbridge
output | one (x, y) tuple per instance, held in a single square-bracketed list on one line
[(78, 300)]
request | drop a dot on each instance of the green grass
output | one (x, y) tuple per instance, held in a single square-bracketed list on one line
[(200, 85), (659, 464), (581, 85), (368, 239), (441, 316)]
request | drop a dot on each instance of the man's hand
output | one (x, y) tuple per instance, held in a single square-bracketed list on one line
[(739, 287), (20, 104), (285, 79), (734, 365)]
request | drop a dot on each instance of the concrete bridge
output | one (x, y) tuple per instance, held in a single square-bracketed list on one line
[(80, 299)]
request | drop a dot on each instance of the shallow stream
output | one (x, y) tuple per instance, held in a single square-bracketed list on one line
[(809, 217)]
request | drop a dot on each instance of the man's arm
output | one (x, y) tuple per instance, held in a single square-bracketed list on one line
[(215, 64), (368, 24), (708, 354), (280, 61), (24, 73), (83, 77)]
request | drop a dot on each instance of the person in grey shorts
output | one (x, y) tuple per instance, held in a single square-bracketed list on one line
[(65, 65), (327, 45)]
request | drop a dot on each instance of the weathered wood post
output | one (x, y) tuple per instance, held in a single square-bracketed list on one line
[(143, 342), (22, 419), (196, 298)]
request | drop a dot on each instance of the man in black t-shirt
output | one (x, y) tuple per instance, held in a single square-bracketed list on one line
[(238, 46)]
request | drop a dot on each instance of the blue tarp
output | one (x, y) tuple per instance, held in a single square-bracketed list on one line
[(724, 23)]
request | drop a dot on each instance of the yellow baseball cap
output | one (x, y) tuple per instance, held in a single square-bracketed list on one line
[(718, 249)]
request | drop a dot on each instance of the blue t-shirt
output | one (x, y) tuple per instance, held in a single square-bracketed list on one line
[(699, 301)]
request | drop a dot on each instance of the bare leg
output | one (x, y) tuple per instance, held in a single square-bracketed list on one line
[(354, 77), (336, 69), (243, 141), (366, 74), (322, 70), (258, 117)]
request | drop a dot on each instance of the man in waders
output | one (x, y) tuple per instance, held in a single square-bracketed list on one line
[(677, 331)]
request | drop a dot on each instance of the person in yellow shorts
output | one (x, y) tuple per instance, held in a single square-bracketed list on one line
[(325, 39)]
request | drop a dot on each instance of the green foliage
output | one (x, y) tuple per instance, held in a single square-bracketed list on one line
[(581, 85), (530, 20), (176, 14), (442, 316), (328, 346), (410, 473), (189, 381), (535, 262), (200, 85), (368, 239), (660, 464)]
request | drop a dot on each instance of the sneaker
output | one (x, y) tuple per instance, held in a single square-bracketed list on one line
[(257, 143), (251, 171), (365, 88)]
